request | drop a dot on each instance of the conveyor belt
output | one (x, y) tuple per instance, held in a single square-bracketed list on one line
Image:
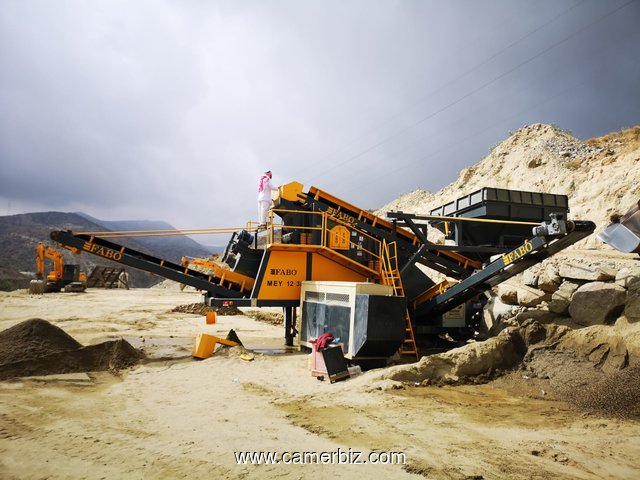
[(508, 265), (80, 242)]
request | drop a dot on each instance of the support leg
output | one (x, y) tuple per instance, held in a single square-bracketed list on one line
[(289, 325)]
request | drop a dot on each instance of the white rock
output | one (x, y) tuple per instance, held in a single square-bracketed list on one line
[(561, 298), (585, 271), (495, 314), (627, 276), (530, 279)]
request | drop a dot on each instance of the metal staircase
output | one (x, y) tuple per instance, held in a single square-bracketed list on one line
[(390, 275)]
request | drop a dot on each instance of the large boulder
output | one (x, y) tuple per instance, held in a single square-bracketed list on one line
[(597, 303), (496, 314), (582, 270), (521, 295), (549, 283), (561, 298), (632, 304)]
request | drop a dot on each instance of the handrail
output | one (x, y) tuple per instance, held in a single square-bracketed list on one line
[(372, 253), (160, 233)]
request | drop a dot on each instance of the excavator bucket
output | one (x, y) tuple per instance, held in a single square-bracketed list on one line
[(624, 233)]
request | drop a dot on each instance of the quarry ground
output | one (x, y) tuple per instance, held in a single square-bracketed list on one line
[(175, 417)]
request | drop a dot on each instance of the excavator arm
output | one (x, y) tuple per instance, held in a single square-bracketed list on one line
[(42, 252), (40, 261), (58, 263)]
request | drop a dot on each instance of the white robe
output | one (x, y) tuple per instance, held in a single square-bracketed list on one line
[(264, 201)]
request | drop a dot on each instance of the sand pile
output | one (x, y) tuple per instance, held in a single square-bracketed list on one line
[(595, 368), (239, 352), (36, 347), (202, 309), (33, 339)]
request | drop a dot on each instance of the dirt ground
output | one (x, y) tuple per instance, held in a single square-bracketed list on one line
[(175, 417)]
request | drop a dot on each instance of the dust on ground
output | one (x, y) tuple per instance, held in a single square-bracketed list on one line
[(594, 369), (175, 417), (581, 386)]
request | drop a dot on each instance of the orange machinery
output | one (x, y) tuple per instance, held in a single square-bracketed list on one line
[(313, 236), (67, 277)]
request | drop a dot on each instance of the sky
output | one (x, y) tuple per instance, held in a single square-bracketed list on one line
[(172, 109)]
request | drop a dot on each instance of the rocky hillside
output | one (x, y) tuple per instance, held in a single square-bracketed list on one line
[(601, 176), (570, 326)]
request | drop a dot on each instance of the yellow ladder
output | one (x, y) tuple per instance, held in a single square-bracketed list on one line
[(390, 275)]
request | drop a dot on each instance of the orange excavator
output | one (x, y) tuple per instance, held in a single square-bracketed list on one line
[(67, 277)]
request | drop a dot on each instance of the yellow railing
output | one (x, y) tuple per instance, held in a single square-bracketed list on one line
[(316, 229), (390, 274)]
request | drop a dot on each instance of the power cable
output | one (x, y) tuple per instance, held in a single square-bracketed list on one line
[(449, 82), (482, 86), (372, 180)]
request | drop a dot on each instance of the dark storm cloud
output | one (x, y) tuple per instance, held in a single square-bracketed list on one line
[(171, 110)]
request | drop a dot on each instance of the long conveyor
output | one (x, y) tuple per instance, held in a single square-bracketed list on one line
[(214, 285), (531, 252)]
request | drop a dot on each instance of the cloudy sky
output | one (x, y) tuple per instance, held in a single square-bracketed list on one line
[(171, 109)]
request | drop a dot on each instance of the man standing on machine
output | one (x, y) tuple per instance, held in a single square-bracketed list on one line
[(265, 189)]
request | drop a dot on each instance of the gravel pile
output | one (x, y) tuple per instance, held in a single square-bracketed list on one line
[(272, 318), (570, 148), (33, 339), (36, 347), (202, 309), (616, 395)]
